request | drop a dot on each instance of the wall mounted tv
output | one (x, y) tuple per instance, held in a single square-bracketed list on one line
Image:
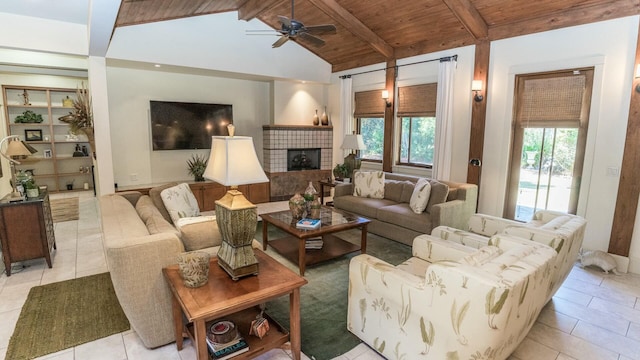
[(181, 126)]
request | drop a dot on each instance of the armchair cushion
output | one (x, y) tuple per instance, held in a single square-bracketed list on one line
[(438, 195), (369, 184), (180, 202)]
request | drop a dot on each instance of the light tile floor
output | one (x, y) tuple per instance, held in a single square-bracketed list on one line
[(593, 315)]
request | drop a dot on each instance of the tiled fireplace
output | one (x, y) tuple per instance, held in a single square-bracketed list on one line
[(294, 155)]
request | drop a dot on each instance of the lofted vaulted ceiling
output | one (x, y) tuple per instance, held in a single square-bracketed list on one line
[(373, 31)]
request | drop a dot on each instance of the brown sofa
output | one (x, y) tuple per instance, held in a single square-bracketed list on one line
[(450, 204)]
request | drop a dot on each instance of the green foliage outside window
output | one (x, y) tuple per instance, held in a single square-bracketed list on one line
[(417, 140), (372, 131)]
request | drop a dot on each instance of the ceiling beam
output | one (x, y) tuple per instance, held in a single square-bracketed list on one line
[(469, 17), (430, 46), (355, 26), (568, 17), (253, 8)]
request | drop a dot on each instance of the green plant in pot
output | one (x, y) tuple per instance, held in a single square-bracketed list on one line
[(340, 172), (31, 188), (197, 164), (28, 116)]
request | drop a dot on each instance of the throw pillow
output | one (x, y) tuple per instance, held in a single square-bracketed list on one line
[(368, 184), (154, 194), (439, 192), (420, 196), (180, 202), (199, 233)]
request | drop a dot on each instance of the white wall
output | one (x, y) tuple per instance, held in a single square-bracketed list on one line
[(412, 74), (608, 46), (295, 103), (129, 93), (30, 33)]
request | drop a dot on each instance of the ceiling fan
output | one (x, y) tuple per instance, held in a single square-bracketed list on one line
[(292, 29)]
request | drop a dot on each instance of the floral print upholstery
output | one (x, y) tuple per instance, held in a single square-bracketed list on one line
[(368, 184), (441, 305)]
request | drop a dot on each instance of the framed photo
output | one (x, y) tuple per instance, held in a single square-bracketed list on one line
[(47, 153), (33, 135)]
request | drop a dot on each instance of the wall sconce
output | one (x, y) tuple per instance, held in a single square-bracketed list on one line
[(638, 77), (385, 96), (476, 86)]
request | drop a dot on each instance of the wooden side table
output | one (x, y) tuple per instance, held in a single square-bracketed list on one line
[(330, 184), (221, 297)]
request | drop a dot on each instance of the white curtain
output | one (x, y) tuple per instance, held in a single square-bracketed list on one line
[(346, 108), (444, 121)]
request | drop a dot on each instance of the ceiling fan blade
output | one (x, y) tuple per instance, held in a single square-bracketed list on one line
[(280, 41), (284, 21), (321, 29), (314, 40)]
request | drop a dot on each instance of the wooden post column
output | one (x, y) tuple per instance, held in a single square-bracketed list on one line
[(478, 113), (624, 216), (387, 146)]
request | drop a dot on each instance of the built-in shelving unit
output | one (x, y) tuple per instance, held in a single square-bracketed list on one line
[(54, 164)]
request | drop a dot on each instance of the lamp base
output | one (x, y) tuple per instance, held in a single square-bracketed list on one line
[(353, 163), (237, 218), (16, 196)]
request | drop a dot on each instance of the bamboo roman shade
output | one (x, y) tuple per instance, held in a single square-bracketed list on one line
[(369, 104), (552, 102), (417, 100)]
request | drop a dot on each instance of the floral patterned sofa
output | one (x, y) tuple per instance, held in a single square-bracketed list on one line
[(563, 232), (450, 301)]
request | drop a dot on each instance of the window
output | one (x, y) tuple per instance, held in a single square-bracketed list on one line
[(416, 114), (369, 112)]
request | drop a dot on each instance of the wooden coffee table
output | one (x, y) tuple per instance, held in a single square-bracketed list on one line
[(221, 297), (293, 247)]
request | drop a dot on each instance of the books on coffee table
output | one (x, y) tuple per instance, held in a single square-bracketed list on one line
[(308, 224), (314, 243), (226, 351)]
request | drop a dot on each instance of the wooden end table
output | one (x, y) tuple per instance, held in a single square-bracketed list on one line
[(331, 185), (221, 297), (332, 221)]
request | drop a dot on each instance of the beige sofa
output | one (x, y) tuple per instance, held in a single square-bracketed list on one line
[(139, 241), (450, 301), (450, 204)]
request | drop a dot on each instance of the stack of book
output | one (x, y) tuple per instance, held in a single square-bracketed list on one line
[(226, 351), (314, 243), (308, 224)]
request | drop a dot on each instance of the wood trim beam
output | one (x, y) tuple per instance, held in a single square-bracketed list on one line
[(253, 8), (478, 112), (568, 17), (624, 216), (430, 46), (387, 146), (355, 26), (470, 18)]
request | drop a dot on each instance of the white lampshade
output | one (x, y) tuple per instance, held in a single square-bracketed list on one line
[(476, 85), (353, 142), (233, 161)]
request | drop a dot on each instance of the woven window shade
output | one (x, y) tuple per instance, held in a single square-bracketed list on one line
[(369, 104), (418, 100), (557, 100)]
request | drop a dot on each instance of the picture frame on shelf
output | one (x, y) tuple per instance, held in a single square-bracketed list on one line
[(33, 135), (47, 153)]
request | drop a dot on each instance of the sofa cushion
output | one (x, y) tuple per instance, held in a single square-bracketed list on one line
[(402, 215), (439, 192), (407, 191), (366, 207), (393, 190), (154, 194), (482, 256), (180, 202), (368, 184), (152, 218), (120, 219), (420, 196), (199, 232), (556, 223)]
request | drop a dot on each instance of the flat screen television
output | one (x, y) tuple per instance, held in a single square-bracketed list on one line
[(182, 126)]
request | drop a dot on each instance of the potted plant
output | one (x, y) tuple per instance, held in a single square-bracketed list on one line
[(196, 166), (340, 172), (31, 188)]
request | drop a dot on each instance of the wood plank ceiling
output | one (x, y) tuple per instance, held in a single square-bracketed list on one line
[(375, 31)]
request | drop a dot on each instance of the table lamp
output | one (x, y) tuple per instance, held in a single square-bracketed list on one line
[(15, 149), (353, 142), (232, 162)]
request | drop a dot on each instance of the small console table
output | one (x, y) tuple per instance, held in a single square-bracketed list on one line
[(26, 229)]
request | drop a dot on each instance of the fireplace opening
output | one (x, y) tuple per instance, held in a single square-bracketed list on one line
[(303, 159)]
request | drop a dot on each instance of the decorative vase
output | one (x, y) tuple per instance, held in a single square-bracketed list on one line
[(309, 195), (297, 206), (325, 118), (33, 193), (316, 120), (315, 209), (194, 268)]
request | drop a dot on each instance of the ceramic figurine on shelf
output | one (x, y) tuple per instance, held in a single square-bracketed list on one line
[(325, 118), (316, 119)]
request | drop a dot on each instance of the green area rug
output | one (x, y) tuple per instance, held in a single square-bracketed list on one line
[(323, 303), (65, 314)]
